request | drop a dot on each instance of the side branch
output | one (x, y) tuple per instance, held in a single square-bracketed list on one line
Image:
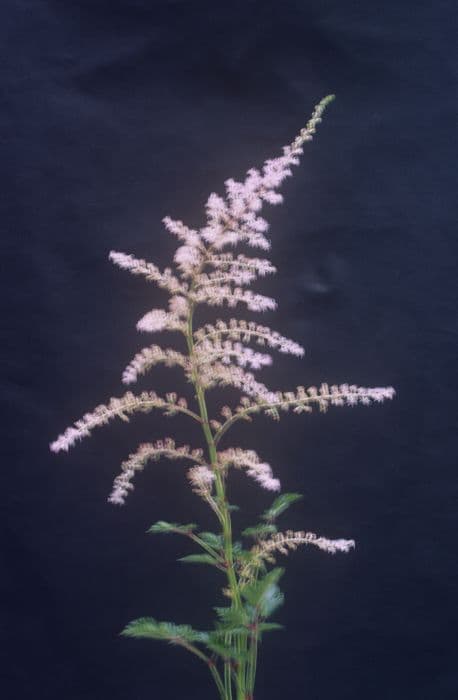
[(304, 399), (144, 453), (281, 542), (165, 279), (119, 408), (151, 356)]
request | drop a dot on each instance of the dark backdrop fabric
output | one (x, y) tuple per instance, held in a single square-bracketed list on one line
[(118, 112)]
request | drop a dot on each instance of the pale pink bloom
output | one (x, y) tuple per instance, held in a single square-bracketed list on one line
[(208, 274), (137, 461), (179, 306), (284, 541), (246, 332), (216, 207), (272, 197), (187, 235), (187, 258), (237, 276), (248, 459), (201, 479), (217, 295), (137, 266), (159, 320), (228, 351), (257, 223), (259, 266), (228, 375), (150, 356), (116, 408)]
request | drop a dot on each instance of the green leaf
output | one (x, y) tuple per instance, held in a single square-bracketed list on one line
[(280, 504), (260, 530), (199, 559), (264, 595), (270, 600), (269, 627), (232, 508), (149, 628), (212, 539), (163, 527), (232, 617)]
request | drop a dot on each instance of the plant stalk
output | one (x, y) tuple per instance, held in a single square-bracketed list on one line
[(225, 520)]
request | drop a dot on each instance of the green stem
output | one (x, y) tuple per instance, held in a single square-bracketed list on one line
[(228, 679), (223, 514), (252, 661), (213, 670)]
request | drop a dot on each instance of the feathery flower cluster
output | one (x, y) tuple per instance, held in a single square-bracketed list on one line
[(282, 542), (138, 459), (159, 320), (246, 332), (201, 479), (213, 276), (217, 295), (209, 351), (165, 280), (302, 400), (118, 408), (259, 471), (220, 374), (258, 266), (153, 355), (235, 219)]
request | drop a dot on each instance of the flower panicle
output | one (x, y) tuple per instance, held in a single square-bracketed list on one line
[(235, 218), (229, 261), (219, 374), (138, 459), (218, 294), (303, 400), (165, 279), (228, 351), (283, 542), (201, 478), (266, 549), (248, 459), (118, 408), (151, 356), (246, 332), (172, 320)]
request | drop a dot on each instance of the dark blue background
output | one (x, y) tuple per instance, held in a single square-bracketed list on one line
[(117, 112)]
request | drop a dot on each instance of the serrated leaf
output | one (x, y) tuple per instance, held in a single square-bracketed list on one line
[(269, 627), (264, 594), (245, 555), (212, 539), (149, 628), (163, 527), (199, 559), (232, 508), (231, 617), (280, 504), (259, 530), (270, 600)]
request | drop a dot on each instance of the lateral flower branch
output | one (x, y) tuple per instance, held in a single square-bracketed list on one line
[(217, 354)]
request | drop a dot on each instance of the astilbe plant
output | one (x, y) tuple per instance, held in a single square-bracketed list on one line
[(215, 355)]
